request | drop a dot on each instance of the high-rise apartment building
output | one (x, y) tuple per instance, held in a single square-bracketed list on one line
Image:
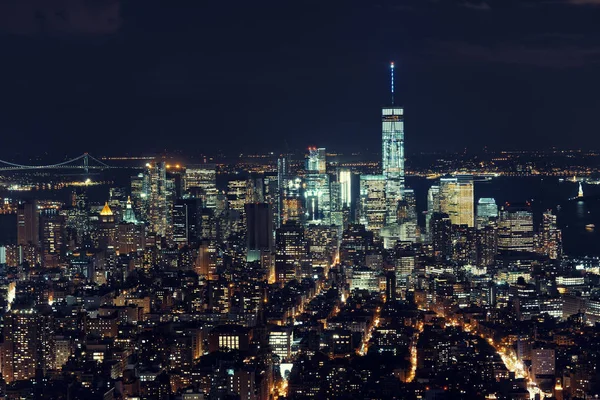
[(457, 199), (28, 346)]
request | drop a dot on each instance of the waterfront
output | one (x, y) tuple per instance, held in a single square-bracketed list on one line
[(543, 193)]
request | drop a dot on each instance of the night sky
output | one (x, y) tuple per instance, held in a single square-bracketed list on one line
[(145, 76)]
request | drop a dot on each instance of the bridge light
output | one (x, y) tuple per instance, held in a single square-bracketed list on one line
[(88, 181)]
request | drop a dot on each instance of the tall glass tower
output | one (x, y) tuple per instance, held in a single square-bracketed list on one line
[(392, 128)]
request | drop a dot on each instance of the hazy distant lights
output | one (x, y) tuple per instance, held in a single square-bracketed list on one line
[(19, 188)]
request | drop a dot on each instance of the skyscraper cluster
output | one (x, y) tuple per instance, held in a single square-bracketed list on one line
[(294, 277)]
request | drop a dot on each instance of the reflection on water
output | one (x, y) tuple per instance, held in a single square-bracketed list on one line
[(580, 210)]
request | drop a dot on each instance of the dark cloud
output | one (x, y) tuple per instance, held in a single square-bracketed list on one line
[(237, 74), (567, 56)]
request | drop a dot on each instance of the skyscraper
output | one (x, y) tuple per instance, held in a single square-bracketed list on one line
[(457, 199), (107, 229), (28, 232), (317, 197), (550, 236), (392, 127), (486, 210), (316, 161), (433, 206), (159, 192), (206, 263), (28, 346), (441, 231), (515, 228), (317, 193), (282, 177), (181, 223), (259, 228), (345, 180), (373, 208), (200, 181), (53, 226), (290, 247), (28, 225)]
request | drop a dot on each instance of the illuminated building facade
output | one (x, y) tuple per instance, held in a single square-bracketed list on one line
[(290, 249), (317, 197), (200, 181), (373, 206), (550, 236), (280, 341), (515, 228), (392, 121), (206, 263), (345, 180), (159, 190), (457, 199), (28, 345), (433, 206), (53, 231), (486, 210), (316, 161), (107, 229)]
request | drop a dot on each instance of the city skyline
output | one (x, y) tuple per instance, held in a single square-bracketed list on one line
[(300, 201)]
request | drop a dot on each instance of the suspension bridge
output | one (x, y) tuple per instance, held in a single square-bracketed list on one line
[(84, 161)]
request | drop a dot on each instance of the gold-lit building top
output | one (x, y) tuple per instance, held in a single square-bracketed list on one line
[(106, 210)]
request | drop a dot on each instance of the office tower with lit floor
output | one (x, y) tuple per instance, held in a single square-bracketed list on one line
[(290, 248), (392, 127), (373, 208), (457, 199), (515, 228), (486, 210), (317, 192)]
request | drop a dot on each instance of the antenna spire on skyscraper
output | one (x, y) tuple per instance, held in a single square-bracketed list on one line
[(392, 81)]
